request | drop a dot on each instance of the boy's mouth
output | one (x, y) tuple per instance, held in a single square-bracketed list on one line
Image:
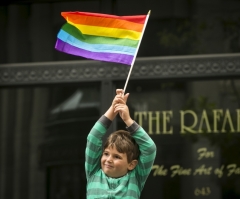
[(108, 166)]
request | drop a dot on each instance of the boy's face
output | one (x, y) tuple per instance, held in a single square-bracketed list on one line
[(114, 164)]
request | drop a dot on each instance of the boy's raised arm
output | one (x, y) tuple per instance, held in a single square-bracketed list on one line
[(93, 150), (147, 149), (146, 145)]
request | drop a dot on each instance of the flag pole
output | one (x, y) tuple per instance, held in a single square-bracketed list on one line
[(130, 70)]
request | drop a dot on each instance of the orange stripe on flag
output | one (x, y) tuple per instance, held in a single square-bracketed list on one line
[(102, 21)]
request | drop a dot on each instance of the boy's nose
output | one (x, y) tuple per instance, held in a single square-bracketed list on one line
[(109, 159)]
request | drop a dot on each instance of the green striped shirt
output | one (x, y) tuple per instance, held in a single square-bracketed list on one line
[(100, 186)]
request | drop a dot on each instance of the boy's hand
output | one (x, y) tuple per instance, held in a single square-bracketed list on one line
[(121, 107), (120, 98), (123, 111), (120, 92)]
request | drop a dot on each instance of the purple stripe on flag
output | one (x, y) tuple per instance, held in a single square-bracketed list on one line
[(110, 57)]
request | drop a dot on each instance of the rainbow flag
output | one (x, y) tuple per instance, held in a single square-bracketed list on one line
[(101, 37)]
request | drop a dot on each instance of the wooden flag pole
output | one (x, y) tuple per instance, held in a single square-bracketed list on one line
[(134, 58)]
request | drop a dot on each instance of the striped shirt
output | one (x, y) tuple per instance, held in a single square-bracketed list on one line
[(99, 185)]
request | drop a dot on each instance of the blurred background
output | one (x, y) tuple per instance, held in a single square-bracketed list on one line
[(185, 92)]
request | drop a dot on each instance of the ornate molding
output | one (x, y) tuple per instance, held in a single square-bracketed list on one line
[(172, 67)]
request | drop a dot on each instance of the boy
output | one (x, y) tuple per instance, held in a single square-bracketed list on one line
[(121, 169)]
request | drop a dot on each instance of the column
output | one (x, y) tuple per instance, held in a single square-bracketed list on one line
[(37, 181), (18, 41)]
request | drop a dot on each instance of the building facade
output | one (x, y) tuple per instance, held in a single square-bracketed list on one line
[(184, 90)]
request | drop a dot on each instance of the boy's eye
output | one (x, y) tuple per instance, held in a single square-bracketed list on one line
[(118, 157), (105, 153)]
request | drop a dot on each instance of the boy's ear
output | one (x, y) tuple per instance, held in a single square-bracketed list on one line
[(132, 165)]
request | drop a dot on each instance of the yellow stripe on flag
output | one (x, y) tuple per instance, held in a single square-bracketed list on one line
[(107, 32)]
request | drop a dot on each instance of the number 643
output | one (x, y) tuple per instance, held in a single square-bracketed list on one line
[(204, 191)]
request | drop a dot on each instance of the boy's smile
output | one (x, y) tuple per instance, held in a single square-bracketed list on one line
[(114, 164)]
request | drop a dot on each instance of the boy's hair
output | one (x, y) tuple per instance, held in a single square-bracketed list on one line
[(124, 143)]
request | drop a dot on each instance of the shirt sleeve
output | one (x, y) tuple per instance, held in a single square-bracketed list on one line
[(147, 152), (93, 150)]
